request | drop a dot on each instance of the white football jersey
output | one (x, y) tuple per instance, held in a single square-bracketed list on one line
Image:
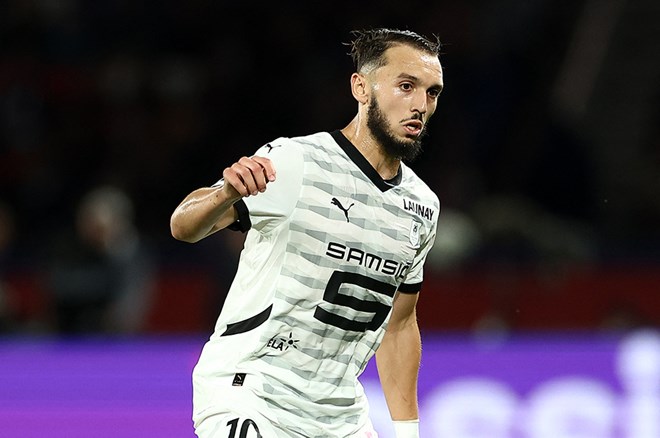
[(329, 244)]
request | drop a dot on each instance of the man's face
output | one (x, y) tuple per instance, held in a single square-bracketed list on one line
[(404, 95)]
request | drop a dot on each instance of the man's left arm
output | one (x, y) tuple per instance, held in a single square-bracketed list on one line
[(398, 359)]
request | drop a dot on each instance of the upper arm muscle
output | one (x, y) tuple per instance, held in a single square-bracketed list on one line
[(403, 310)]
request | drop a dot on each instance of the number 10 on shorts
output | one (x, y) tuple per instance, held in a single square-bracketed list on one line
[(248, 429)]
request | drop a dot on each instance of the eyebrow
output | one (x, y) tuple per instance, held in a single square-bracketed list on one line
[(437, 87)]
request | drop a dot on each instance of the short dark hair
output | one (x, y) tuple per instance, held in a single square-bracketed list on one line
[(369, 46)]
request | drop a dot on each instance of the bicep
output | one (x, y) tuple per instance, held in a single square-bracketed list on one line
[(403, 311)]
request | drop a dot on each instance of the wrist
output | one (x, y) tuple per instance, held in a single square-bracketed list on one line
[(406, 428), (226, 193)]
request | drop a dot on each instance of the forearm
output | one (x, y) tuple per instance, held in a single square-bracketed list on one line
[(202, 213), (398, 359), (210, 209)]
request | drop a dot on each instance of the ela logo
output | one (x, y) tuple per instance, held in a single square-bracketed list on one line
[(282, 343)]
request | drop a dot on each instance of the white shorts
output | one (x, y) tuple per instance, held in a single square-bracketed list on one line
[(240, 414), (230, 425)]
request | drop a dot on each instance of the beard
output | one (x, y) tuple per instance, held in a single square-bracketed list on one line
[(392, 146)]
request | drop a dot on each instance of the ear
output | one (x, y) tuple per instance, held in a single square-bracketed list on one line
[(360, 88)]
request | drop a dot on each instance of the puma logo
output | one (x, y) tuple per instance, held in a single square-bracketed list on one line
[(271, 147), (336, 202)]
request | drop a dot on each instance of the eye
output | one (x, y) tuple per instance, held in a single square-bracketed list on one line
[(434, 93), (406, 86)]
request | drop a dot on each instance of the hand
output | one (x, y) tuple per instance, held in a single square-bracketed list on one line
[(248, 176), (406, 429)]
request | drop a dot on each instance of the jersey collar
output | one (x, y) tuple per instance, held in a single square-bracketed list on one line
[(356, 156)]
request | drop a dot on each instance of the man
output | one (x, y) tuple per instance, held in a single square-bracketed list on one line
[(100, 276), (338, 231)]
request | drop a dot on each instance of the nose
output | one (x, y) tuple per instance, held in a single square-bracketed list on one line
[(419, 103)]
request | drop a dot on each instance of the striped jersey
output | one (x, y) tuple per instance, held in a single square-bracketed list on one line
[(328, 245)]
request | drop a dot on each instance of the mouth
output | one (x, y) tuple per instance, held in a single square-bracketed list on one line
[(413, 127)]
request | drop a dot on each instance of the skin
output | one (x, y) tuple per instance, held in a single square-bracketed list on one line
[(406, 88), (207, 210), (406, 91)]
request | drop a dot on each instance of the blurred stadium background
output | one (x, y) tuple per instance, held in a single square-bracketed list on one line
[(545, 153)]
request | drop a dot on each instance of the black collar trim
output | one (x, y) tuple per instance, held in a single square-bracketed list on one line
[(364, 165)]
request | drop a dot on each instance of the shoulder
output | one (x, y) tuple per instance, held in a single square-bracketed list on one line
[(419, 187), (283, 152), (418, 198), (319, 139), (299, 149)]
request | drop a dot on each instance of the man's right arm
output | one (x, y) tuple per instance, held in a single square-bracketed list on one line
[(209, 209)]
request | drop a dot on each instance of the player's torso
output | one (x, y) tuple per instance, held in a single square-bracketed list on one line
[(343, 251), (349, 245)]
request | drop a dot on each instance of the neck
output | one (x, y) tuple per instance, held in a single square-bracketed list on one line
[(358, 134)]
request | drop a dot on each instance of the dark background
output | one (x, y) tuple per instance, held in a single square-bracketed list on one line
[(544, 149)]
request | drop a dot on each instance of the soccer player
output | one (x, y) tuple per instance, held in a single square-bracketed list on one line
[(338, 229)]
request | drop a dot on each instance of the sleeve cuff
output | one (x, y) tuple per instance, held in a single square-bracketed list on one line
[(243, 223), (411, 288)]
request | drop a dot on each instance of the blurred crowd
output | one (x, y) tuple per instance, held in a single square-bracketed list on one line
[(110, 112)]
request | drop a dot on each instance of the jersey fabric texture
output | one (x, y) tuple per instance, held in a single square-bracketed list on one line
[(328, 245)]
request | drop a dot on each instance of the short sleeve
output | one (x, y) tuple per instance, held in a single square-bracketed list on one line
[(414, 279), (267, 210)]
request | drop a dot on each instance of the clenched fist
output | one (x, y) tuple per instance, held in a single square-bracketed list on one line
[(249, 176)]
